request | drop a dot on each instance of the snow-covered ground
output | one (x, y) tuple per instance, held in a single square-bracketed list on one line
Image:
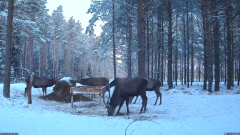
[(184, 111)]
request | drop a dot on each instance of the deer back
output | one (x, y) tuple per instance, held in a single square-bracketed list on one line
[(130, 87), (94, 81)]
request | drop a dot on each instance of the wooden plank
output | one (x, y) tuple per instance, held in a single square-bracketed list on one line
[(87, 90), (72, 100)]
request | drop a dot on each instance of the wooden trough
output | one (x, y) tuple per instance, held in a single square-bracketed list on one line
[(98, 90)]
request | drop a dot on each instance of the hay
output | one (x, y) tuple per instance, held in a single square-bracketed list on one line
[(62, 93)]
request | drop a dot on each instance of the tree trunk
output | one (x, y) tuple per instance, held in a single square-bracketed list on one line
[(6, 87), (141, 39), (204, 15), (162, 48), (184, 52), (25, 52), (188, 47), (176, 52), (148, 49), (216, 45), (225, 54), (68, 58), (209, 50), (192, 54), (232, 50), (114, 51), (159, 43), (229, 52), (129, 41), (31, 66), (238, 69), (170, 84), (152, 49), (199, 68), (57, 58)]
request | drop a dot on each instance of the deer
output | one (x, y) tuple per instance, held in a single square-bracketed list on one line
[(95, 81), (131, 87), (40, 82), (153, 84)]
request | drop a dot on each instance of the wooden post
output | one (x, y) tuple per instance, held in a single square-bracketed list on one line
[(29, 89), (99, 103), (71, 99)]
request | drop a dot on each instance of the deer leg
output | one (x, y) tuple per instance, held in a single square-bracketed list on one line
[(45, 91), (127, 103), (108, 89), (144, 101), (158, 94), (131, 99), (160, 98), (141, 107), (145, 106), (103, 98), (156, 100), (120, 106), (25, 92), (135, 100)]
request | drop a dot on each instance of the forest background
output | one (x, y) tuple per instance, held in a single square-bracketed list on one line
[(171, 40)]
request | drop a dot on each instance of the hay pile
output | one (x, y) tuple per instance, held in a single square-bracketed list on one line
[(62, 92)]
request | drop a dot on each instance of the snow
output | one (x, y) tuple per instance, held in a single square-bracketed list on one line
[(183, 111), (67, 79), (3, 15)]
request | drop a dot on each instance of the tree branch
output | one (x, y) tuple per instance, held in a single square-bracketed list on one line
[(128, 126)]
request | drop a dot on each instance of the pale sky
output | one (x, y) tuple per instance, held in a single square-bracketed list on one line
[(75, 8)]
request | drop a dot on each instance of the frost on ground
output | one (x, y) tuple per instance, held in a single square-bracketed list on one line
[(183, 111)]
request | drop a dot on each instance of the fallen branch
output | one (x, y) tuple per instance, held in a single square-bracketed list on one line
[(128, 126)]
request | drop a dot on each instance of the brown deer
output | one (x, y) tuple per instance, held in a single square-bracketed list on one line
[(122, 92), (96, 81), (153, 84), (41, 82)]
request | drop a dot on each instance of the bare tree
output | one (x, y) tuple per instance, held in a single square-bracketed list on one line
[(188, 47), (229, 44), (176, 52), (170, 84), (205, 42), (113, 32), (6, 89), (129, 40), (216, 44), (141, 39)]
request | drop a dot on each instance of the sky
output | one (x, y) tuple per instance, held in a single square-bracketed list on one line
[(76, 8)]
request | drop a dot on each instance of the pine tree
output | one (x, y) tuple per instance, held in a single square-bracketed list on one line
[(6, 89)]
